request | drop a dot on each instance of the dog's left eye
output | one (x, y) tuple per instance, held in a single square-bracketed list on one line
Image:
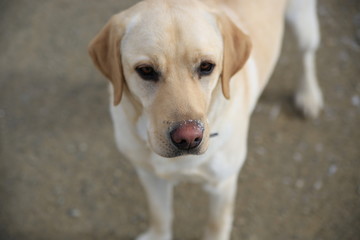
[(147, 73), (206, 68)]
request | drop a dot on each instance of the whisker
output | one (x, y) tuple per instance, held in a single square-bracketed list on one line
[(214, 134)]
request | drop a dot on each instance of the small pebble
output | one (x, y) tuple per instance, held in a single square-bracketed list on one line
[(318, 185), (259, 108), (297, 157), (286, 180), (83, 147), (261, 151), (58, 190), (253, 237), (319, 147), (274, 112), (74, 212), (332, 170), (138, 218), (323, 11), (355, 100), (300, 183)]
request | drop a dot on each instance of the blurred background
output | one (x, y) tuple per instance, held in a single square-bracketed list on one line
[(61, 176)]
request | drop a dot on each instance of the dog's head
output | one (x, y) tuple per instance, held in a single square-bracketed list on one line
[(169, 56)]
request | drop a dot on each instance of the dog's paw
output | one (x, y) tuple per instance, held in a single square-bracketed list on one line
[(222, 233), (309, 101), (150, 235)]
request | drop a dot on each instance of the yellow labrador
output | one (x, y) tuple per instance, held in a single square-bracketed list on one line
[(185, 77)]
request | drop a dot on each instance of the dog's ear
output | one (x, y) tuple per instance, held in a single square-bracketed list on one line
[(237, 46), (104, 50)]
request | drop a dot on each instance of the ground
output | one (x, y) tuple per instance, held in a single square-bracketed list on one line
[(61, 176)]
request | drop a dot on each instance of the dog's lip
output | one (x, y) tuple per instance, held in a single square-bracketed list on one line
[(178, 153)]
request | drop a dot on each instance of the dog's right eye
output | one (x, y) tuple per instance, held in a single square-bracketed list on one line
[(147, 73)]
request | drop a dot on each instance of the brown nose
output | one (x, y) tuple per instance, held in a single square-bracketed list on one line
[(187, 135)]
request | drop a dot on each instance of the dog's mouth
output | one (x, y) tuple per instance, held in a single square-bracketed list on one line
[(171, 151), (179, 153)]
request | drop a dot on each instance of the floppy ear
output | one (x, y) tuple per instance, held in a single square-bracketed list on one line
[(104, 50), (237, 46)]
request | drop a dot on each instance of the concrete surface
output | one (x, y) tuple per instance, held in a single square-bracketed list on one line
[(61, 176)]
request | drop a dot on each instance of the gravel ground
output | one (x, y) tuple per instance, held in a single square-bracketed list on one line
[(61, 176)]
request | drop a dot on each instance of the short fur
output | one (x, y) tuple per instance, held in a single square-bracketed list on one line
[(243, 39)]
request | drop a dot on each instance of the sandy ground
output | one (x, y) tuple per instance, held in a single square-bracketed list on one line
[(61, 176)]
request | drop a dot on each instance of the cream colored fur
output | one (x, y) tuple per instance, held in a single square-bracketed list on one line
[(243, 39)]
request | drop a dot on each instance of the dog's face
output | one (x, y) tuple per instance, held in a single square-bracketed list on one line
[(169, 57)]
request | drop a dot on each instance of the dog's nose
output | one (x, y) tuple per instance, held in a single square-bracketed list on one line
[(187, 135)]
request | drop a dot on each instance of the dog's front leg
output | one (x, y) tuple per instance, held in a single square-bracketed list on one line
[(159, 195), (222, 198)]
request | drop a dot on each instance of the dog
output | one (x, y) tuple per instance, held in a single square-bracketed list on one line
[(185, 77)]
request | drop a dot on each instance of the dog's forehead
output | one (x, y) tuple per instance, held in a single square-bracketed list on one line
[(177, 30)]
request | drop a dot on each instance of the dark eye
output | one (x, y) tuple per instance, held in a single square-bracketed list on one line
[(147, 73), (206, 68)]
